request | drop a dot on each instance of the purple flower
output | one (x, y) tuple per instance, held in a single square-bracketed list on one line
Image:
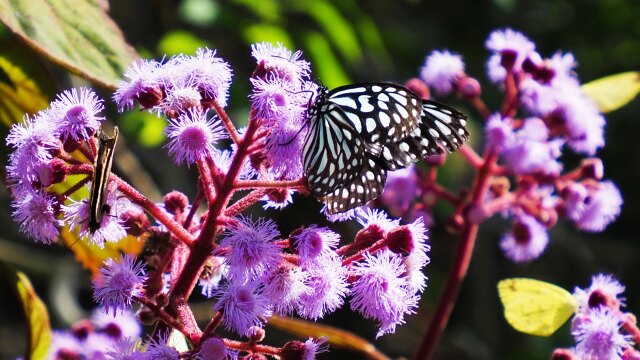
[(499, 132), (510, 49), (276, 100), (441, 71), (158, 349), (599, 208), (193, 136), (111, 227), (374, 217), (181, 97), (125, 349), (400, 190), (327, 279), (284, 287), (75, 111), (36, 212), (64, 345), (143, 86), (34, 141), (278, 199), (243, 306), (280, 62), (207, 73), (118, 282), (381, 291), (598, 336), (603, 291), (313, 242), (214, 349), (526, 240), (531, 152), (340, 217), (122, 325), (418, 258), (252, 251)]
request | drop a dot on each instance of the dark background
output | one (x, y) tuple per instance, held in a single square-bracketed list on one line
[(351, 41)]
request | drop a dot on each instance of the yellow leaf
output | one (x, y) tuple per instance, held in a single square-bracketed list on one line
[(614, 91), (35, 312), (535, 307), (335, 336)]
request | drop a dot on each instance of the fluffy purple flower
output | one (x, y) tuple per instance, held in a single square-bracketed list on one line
[(158, 349), (214, 349), (193, 136), (284, 287), (604, 290), (223, 159), (381, 291), (111, 227), (181, 97), (441, 71), (598, 336), (313, 242), (531, 151), (400, 190), (64, 344), (499, 132), (36, 212), (327, 279), (123, 325), (118, 282), (526, 240), (510, 49), (33, 140), (243, 306), (374, 217), (205, 72), (599, 208), (417, 258), (280, 201), (252, 251), (143, 85), (76, 113), (280, 62)]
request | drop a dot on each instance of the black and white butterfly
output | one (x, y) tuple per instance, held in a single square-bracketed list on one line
[(358, 132)]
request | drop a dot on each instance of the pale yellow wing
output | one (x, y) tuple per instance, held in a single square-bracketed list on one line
[(535, 307)]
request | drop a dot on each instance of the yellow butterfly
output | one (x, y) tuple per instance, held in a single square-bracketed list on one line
[(535, 307)]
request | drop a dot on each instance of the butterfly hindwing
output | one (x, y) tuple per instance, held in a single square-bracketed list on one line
[(366, 187)]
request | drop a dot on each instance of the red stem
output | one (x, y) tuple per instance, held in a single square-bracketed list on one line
[(226, 121), (255, 184), (459, 268)]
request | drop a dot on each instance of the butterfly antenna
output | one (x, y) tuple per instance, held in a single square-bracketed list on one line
[(295, 136)]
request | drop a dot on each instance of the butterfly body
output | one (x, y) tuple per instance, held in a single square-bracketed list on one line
[(101, 171), (359, 132)]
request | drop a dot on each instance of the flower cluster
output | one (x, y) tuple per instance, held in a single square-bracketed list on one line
[(544, 113), (600, 328)]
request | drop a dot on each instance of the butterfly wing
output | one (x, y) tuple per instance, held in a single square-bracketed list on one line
[(379, 112), (333, 153), (535, 307), (366, 187)]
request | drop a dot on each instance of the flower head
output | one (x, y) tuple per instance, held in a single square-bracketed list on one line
[(36, 212), (598, 336), (441, 70), (118, 282), (119, 326), (526, 240), (143, 85), (214, 349), (313, 242), (243, 306), (284, 287), (381, 290), (400, 190), (604, 290), (252, 251), (193, 136), (598, 208), (326, 277), (280, 62), (510, 49), (76, 113)]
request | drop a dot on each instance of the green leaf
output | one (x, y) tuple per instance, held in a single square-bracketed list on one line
[(35, 312), (75, 34), (25, 84), (180, 42), (337, 28), (269, 33), (325, 62), (199, 12), (614, 91), (147, 127)]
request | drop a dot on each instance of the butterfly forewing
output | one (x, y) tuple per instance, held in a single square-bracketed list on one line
[(379, 112), (333, 152)]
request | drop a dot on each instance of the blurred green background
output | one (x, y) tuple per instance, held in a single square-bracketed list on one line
[(350, 41)]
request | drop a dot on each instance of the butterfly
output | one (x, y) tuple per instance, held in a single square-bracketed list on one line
[(359, 132), (535, 307), (101, 171)]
